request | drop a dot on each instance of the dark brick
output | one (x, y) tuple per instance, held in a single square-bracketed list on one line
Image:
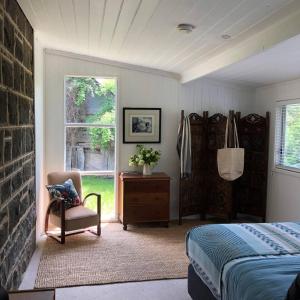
[(27, 54), (13, 114), (16, 181), (27, 171), (18, 78), (9, 169), (14, 213), (3, 227), (24, 204), (28, 85), (11, 8), (21, 21), (1, 30), (31, 114), (7, 72), (29, 33), (31, 191), (7, 150), (1, 148), (29, 140), (9, 35), (17, 143), (3, 107), (5, 190), (19, 49), (24, 111)]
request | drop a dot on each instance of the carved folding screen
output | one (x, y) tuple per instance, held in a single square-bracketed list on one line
[(250, 190), (193, 189), (219, 191)]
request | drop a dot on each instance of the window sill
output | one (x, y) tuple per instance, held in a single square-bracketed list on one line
[(288, 172)]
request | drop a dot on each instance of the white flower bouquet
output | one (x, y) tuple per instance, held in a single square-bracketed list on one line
[(145, 157)]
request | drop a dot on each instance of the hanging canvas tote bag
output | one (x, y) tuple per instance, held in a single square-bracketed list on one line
[(231, 160)]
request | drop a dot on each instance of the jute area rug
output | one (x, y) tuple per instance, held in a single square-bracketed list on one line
[(138, 254)]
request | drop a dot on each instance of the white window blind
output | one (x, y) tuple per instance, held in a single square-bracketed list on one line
[(287, 140)]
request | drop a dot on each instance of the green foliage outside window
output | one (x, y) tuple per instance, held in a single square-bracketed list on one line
[(78, 89), (292, 136)]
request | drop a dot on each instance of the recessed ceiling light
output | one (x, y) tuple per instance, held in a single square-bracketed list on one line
[(184, 27), (226, 36)]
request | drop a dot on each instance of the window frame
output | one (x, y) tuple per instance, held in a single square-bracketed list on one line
[(87, 125), (280, 136)]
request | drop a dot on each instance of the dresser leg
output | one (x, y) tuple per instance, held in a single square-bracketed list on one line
[(124, 226)]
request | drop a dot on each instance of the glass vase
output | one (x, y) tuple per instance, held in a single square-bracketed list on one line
[(147, 170)]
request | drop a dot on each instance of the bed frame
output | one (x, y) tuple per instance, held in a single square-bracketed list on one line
[(197, 288)]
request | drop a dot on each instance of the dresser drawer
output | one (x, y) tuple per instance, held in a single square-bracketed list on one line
[(135, 199), (147, 186), (147, 212)]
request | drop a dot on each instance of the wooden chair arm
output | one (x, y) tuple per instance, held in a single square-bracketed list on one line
[(89, 195), (53, 202), (98, 202)]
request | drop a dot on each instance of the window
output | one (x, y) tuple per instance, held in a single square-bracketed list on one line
[(90, 127), (287, 142)]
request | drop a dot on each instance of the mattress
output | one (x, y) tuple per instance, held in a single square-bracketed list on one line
[(227, 257)]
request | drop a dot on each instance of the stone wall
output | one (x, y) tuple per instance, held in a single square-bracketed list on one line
[(17, 181)]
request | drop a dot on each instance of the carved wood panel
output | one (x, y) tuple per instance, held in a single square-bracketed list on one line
[(193, 189), (219, 191), (250, 190)]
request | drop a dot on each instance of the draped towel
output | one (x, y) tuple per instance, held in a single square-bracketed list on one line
[(184, 148)]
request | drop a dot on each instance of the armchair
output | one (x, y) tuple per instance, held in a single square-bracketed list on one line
[(71, 220)]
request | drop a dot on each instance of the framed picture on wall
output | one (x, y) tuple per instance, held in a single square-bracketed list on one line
[(141, 125)]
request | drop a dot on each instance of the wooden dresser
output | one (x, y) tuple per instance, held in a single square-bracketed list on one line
[(144, 198)]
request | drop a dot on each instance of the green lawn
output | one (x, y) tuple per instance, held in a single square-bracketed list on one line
[(104, 186)]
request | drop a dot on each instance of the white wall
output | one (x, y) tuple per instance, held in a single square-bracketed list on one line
[(136, 89), (216, 96), (283, 202)]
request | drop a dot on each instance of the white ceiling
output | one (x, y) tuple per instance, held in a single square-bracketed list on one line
[(280, 63), (143, 32)]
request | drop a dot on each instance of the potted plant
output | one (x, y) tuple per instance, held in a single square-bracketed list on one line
[(147, 158)]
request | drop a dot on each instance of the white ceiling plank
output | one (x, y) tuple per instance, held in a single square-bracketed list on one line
[(266, 35), (51, 17), (97, 8), (67, 12), (128, 14), (199, 11), (203, 29), (145, 13), (245, 22), (161, 24), (143, 32), (111, 18), (82, 16), (278, 64)]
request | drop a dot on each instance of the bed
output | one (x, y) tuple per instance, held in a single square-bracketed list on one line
[(243, 261)]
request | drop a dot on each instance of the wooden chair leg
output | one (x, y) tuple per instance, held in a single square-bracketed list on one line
[(63, 222), (99, 214), (62, 236)]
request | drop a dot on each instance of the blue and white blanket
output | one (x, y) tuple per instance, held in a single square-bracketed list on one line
[(213, 250)]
